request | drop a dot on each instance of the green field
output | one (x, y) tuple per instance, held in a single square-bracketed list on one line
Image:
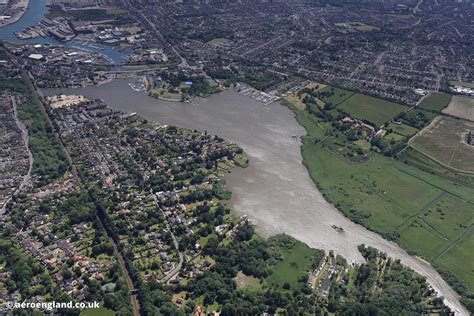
[(355, 26), (372, 109), (246, 282), (334, 95), (450, 216), (460, 260), (217, 41), (295, 101), (388, 198), (296, 261), (312, 126), (421, 239), (403, 16), (85, 14), (435, 101), (165, 94), (403, 129), (425, 207)]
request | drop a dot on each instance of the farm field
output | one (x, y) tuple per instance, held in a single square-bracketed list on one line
[(461, 106), (449, 215), (437, 226), (418, 237), (372, 109), (435, 101), (379, 200), (423, 206), (444, 141), (460, 260), (334, 95), (415, 159)]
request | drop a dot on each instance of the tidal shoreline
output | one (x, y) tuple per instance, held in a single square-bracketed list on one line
[(22, 5), (275, 190)]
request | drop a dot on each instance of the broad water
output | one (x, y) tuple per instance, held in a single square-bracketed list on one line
[(275, 191)]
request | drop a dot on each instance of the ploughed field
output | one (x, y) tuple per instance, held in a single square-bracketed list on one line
[(445, 141), (461, 106)]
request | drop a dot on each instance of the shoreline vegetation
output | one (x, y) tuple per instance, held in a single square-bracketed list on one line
[(330, 152), (180, 87), (273, 269), (235, 271)]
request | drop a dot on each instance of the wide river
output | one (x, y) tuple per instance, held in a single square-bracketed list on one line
[(275, 191)]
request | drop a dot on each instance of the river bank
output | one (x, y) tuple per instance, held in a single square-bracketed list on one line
[(20, 8), (36, 11), (275, 190)]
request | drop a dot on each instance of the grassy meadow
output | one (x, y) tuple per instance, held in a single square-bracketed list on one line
[(412, 200), (372, 109), (435, 101)]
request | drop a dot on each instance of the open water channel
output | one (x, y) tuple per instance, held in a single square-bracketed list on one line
[(35, 13), (275, 191)]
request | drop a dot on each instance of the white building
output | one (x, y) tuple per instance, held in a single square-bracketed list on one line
[(36, 56)]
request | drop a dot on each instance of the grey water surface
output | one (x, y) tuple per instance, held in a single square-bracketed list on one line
[(275, 191)]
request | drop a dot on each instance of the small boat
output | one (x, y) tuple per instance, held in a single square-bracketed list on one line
[(338, 229)]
